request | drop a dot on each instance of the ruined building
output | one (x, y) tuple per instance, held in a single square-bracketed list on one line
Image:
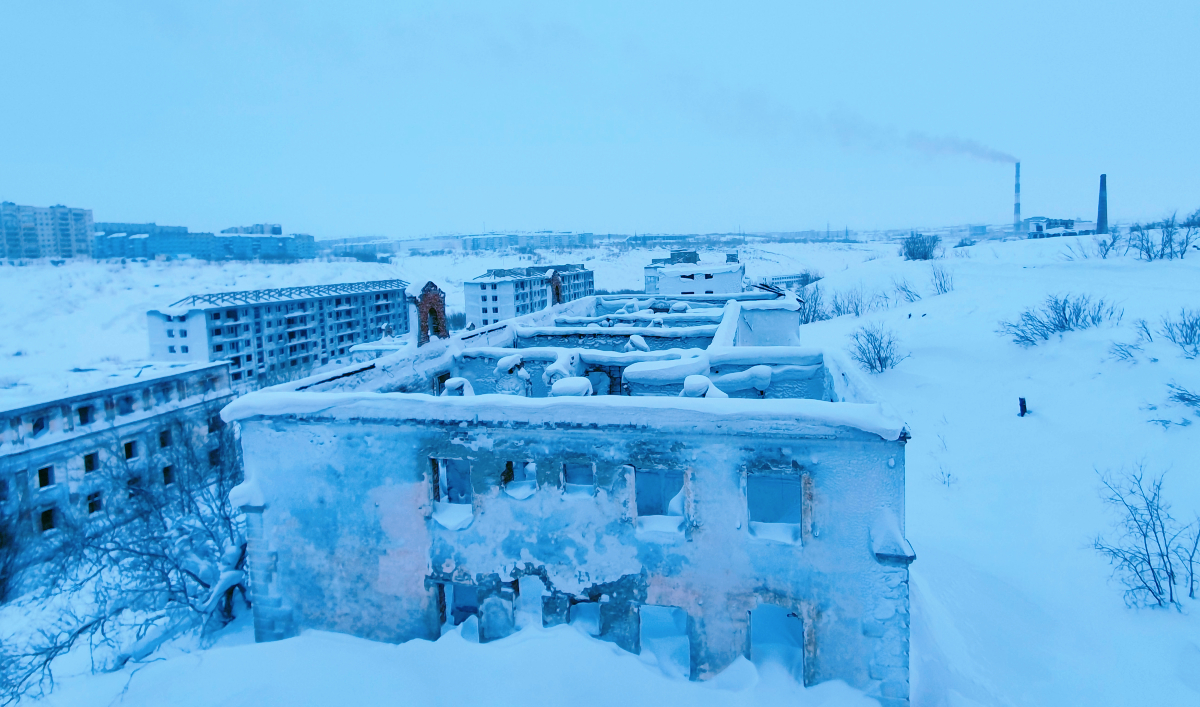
[(679, 476)]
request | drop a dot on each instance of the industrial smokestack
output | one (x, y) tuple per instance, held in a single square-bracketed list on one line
[(1017, 203), (1102, 209)]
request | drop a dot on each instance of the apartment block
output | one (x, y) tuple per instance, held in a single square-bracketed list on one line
[(269, 336), (67, 458), (44, 232), (512, 292)]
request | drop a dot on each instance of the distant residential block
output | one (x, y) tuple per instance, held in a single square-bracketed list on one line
[(44, 232), (149, 240), (270, 336), (537, 239), (512, 292)]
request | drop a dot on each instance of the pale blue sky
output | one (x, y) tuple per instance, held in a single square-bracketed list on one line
[(405, 119)]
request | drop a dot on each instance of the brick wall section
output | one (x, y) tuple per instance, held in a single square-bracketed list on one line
[(431, 314)]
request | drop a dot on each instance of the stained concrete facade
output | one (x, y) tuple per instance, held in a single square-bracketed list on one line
[(381, 511)]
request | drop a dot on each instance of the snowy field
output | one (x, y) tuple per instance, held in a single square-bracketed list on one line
[(1010, 605)]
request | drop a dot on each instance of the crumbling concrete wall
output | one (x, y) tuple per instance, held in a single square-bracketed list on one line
[(357, 545)]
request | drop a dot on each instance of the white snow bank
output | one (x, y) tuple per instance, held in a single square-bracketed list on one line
[(535, 666)]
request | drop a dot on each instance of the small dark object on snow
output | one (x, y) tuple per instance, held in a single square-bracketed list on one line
[(1023, 409)]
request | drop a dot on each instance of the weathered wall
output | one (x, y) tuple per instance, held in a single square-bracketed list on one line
[(349, 529)]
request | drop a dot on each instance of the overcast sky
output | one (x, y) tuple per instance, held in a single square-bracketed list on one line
[(407, 119)]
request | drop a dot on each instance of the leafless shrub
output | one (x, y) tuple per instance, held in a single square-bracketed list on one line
[(1106, 243), (905, 291), (920, 247), (1184, 332), (875, 348), (1179, 394), (812, 305), (943, 281), (1153, 555), (1165, 240), (850, 301), (1058, 315), (1143, 328), (1125, 352), (1189, 235)]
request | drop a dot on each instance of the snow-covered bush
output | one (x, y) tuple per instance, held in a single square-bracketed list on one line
[(1184, 332), (1153, 555), (1058, 315), (920, 247), (875, 348), (1165, 240), (1182, 395), (856, 302), (941, 279)]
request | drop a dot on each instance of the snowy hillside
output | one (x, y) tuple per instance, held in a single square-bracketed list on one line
[(1010, 605)]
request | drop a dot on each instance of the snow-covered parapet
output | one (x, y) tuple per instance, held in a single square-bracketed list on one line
[(700, 387), (636, 343), (569, 364)]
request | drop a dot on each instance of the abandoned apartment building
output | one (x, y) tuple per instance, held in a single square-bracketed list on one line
[(680, 476), (74, 450)]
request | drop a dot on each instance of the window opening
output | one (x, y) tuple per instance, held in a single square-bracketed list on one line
[(775, 505), (454, 480), (579, 478), (85, 415), (164, 438), (168, 475), (520, 479), (39, 425), (45, 476), (131, 450), (777, 637), (90, 462), (48, 519), (664, 634), (95, 503)]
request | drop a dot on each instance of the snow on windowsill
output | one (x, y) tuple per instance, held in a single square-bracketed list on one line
[(520, 490), (668, 525), (453, 516), (788, 533)]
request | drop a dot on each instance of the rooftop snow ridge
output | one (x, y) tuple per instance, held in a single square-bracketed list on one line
[(690, 415)]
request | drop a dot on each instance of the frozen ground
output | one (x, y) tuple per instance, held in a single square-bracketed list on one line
[(1010, 604)]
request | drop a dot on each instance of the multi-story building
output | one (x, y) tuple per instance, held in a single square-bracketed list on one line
[(262, 229), (693, 486), (65, 458), (44, 232), (512, 292), (276, 335), (694, 278), (537, 239), (149, 240)]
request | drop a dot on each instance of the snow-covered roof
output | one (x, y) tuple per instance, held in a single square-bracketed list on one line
[(687, 415), (697, 268), (32, 391)]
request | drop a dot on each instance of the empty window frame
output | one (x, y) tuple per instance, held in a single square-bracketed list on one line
[(774, 498), (133, 485), (214, 457), (49, 519), (451, 480), (95, 502), (85, 415), (579, 477), (40, 424), (659, 492), (168, 473), (457, 602), (131, 449), (777, 636), (45, 476), (164, 438), (519, 478), (91, 462), (125, 405)]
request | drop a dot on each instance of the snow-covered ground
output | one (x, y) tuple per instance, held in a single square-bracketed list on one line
[(1010, 605)]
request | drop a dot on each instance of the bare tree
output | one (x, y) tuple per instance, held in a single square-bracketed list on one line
[(812, 305), (1167, 230), (1151, 548), (1190, 233), (1106, 243), (156, 551), (905, 290)]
